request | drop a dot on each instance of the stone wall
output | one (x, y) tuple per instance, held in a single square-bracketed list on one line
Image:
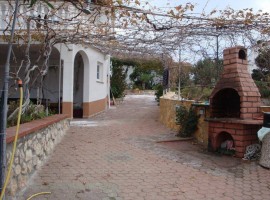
[(32, 151), (168, 115), (201, 133), (168, 111)]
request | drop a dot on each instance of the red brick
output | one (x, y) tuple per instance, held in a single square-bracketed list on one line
[(243, 110), (245, 62), (229, 76), (211, 129), (244, 98), (231, 67), (250, 84), (252, 110), (243, 68), (243, 143), (243, 80), (233, 126), (226, 52), (240, 149), (250, 137), (252, 93), (246, 115), (253, 99), (219, 130), (234, 60), (257, 115), (216, 124), (235, 49), (255, 89), (245, 88), (242, 93), (230, 56), (226, 62), (238, 137), (240, 132), (230, 131), (244, 75), (246, 104)]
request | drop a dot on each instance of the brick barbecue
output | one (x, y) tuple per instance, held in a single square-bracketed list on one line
[(234, 104)]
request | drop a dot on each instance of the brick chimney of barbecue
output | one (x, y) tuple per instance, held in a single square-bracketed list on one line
[(236, 76)]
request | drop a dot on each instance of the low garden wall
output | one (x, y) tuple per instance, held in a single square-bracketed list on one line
[(168, 117), (142, 92), (36, 141)]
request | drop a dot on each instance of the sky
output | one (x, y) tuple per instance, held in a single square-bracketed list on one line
[(209, 5)]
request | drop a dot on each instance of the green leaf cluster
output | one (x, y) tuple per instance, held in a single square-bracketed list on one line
[(118, 83), (264, 88), (196, 93), (33, 112), (33, 2), (159, 91), (207, 70), (263, 60), (142, 75), (187, 119)]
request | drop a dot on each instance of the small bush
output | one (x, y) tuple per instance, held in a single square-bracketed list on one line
[(197, 93), (263, 88), (159, 91), (187, 119), (32, 113)]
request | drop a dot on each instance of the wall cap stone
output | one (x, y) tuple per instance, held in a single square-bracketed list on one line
[(31, 127)]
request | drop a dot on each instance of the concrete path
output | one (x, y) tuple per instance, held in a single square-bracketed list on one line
[(115, 156)]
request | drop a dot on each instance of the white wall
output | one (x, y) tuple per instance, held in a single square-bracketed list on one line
[(93, 89)]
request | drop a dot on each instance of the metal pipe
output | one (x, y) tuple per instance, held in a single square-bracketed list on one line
[(109, 80), (179, 74), (4, 98), (217, 58), (59, 83)]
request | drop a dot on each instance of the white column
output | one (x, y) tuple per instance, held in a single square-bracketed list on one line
[(108, 77), (68, 72), (86, 76)]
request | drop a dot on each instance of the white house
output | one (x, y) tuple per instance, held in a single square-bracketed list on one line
[(78, 74)]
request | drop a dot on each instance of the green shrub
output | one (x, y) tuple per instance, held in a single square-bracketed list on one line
[(159, 91), (263, 88), (196, 93), (187, 119), (33, 112), (118, 83)]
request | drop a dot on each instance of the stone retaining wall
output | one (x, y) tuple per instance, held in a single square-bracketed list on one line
[(33, 148), (168, 111), (168, 116)]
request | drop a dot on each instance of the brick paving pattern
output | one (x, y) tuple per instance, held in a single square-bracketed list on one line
[(114, 156)]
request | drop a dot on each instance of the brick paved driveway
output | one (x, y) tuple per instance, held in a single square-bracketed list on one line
[(115, 156)]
